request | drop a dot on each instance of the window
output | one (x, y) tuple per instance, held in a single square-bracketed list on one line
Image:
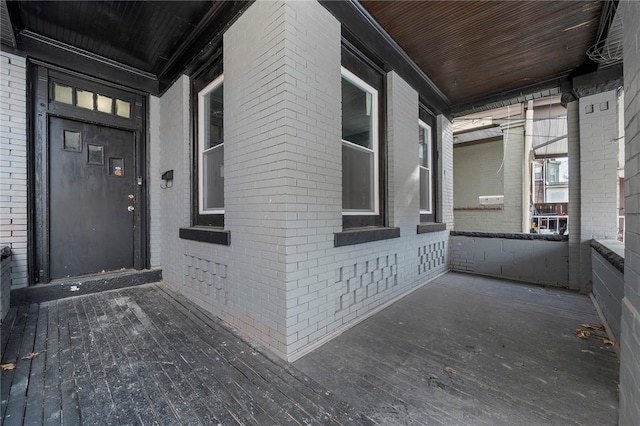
[(363, 171), (359, 146), (211, 154), (425, 149), (427, 166)]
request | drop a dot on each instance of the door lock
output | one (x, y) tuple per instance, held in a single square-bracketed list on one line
[(131, 208), (132, 197)]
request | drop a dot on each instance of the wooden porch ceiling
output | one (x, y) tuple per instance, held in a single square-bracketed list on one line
[(479, 50), (475, 52)]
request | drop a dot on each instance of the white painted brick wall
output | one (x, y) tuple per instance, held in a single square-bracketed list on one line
[(153, 185), (598, 187), (13, 164), (282, 282), (402, 161), (444, 140), (630, 340)]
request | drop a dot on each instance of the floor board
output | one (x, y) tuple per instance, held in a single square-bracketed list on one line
[(461, 350)]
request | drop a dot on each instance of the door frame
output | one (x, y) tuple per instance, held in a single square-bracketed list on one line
[(42, 107)]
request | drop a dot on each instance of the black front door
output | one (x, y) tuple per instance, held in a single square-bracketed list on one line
[(91, 198)]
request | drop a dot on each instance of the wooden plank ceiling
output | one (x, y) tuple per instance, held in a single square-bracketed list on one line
[(478, 49), (472, 50)]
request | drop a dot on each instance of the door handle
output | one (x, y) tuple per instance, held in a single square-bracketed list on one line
[(131, 208)]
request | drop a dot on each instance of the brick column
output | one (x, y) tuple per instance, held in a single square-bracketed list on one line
[(598, 180), (13, 164), (630, 336)]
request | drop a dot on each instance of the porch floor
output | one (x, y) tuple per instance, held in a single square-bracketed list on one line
[(461, 350), (470, 350)]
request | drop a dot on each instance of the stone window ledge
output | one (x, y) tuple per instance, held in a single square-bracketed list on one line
[(364, 235), (206, 234), (427, 227)]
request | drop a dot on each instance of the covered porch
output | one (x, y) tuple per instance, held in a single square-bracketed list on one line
[(461, 349)]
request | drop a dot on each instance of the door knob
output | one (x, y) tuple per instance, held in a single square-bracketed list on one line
[(131, 208), (132, 197)]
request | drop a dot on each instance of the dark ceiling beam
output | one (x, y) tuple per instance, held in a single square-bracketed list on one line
[(357, 21), (515, 96), (603, 80), (475, 129), (53, 51)]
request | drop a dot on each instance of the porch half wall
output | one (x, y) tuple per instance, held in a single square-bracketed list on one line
[(282, 282)]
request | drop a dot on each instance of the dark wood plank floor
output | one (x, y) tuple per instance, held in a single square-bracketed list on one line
[(145, 355), (468, 350)]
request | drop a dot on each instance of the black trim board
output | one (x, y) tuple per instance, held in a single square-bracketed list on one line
[(425, 228), (206, 235), (364, 235)]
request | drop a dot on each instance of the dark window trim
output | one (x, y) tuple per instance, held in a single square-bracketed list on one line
[(426, 228), (430, 120), (370, 73), (205, 75), (364, 235), (40, 108), (206, 234)]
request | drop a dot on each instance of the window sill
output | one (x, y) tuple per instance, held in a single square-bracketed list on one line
[(364, 235), (206, 234), (425, 228)]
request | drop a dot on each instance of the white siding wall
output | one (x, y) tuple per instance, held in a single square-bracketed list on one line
[(13, 163), (503, 168)]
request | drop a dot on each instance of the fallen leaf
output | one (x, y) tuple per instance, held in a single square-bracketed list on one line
[(6, 367), (593, 327), (31, 355), (583, 334), (606, 341)]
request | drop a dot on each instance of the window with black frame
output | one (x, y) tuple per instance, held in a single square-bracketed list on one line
[(362, 145), (209, 155)]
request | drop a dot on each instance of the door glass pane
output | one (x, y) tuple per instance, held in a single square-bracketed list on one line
[(85, 99), (213, 116), (116, 167), (123, 108), (72, 141), (95, 154), (213, 165), (105, 104), (357, 179), (62, 93), (356, 115)]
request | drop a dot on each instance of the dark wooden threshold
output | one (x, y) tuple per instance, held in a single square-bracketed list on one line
[(87, 284)]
